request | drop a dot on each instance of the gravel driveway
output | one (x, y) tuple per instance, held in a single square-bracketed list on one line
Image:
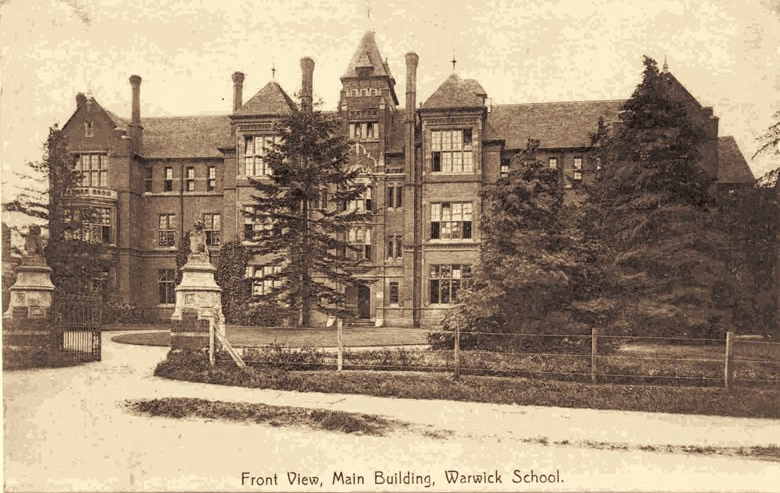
[(66, 429)]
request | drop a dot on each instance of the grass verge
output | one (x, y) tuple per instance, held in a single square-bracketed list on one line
[(739, 402), (317, 419), (23, 359)]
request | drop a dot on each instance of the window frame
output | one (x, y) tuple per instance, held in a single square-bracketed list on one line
[(442, 221), (166, 236), (452, 151), (148, 178), (168, 179), (255, 161), (213, 233), (577, 168), (259, 283), (94, 172), (441, 275), (394, 292), (166, 284), (211, 179), (189, 179), (552, 163)]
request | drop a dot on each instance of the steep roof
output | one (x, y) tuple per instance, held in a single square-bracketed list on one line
[(367, 55), (186, 136), (456, 93), (732, 167), (556, 125), (270, 100)]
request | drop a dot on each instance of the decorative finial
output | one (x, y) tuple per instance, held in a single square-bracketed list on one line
[(368, 10), (273, 69), (453, 61), (666, 65)]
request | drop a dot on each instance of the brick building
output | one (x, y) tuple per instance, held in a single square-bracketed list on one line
[(153, 177)]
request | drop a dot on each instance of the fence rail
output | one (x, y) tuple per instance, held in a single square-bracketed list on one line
[(594, 357)]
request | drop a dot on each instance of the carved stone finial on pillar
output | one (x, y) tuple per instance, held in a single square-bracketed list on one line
[(197, 293), (32, 291)]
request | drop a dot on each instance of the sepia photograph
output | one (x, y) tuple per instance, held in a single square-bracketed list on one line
[(393, 246)]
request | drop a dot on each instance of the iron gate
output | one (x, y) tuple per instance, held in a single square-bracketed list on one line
[(78, 319)]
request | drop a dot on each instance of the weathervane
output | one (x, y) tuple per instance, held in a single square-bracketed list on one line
[(273, 68), (453, 61)]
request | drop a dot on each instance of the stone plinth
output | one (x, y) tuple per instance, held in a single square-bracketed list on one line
[(197, 294), (32, 291)]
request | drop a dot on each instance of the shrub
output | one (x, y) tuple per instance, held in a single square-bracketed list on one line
[(276, 356), (122, 313)]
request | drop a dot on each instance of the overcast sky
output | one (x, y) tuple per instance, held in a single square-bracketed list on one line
[(727, 53)]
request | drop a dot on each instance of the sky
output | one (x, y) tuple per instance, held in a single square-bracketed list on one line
[(727, 53)]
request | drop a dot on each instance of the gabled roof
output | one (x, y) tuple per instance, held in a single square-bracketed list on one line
[(119, 122), (732, 167), (367, 55), (270, 100), (456, 93), (555, 125), (186, 136)]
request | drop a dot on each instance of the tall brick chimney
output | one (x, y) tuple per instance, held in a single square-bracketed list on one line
[(307, 83), (411, 86), (136, 130), (238, 90), (411, 188)]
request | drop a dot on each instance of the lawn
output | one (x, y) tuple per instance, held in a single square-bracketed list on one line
[(744, 402)]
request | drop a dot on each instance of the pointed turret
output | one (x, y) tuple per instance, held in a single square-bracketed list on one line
[(367, 63)]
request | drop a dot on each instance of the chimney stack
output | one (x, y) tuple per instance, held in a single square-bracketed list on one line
[(307, 83), (238, 90), (81, 100), (135, 83), (136, 130), (411, 84)]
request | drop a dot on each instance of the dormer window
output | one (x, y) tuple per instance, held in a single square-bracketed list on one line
[(89, 129)]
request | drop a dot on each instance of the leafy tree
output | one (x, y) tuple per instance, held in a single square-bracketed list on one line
[(181, 255), (529, 265), (666, 255), (307, 241), (770, 140), (75, 263), (231, 277), (752, 218)]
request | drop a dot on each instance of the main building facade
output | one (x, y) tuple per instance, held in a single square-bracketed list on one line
[(152, 178)]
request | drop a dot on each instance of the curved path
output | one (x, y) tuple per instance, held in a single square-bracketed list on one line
[(67, 429)]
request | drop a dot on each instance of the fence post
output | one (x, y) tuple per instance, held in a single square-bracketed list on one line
[(212, 328), (457, 352), (728, 370), (594, 343), (340, 337)]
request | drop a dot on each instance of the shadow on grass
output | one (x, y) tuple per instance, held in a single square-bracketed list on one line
[(317, 419)]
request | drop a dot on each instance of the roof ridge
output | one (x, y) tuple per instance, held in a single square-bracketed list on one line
[(195, 115), (559, 102)]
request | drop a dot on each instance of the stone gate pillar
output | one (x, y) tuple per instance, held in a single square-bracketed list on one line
[(31, 294), (198, 299)]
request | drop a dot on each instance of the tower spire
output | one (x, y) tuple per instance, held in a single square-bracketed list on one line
[(666, 65)]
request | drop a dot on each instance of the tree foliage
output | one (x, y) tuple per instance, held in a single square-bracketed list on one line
[(529, 265), (769, 141), (75, 263), (306, 241), (231, 277), (666, 255)]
